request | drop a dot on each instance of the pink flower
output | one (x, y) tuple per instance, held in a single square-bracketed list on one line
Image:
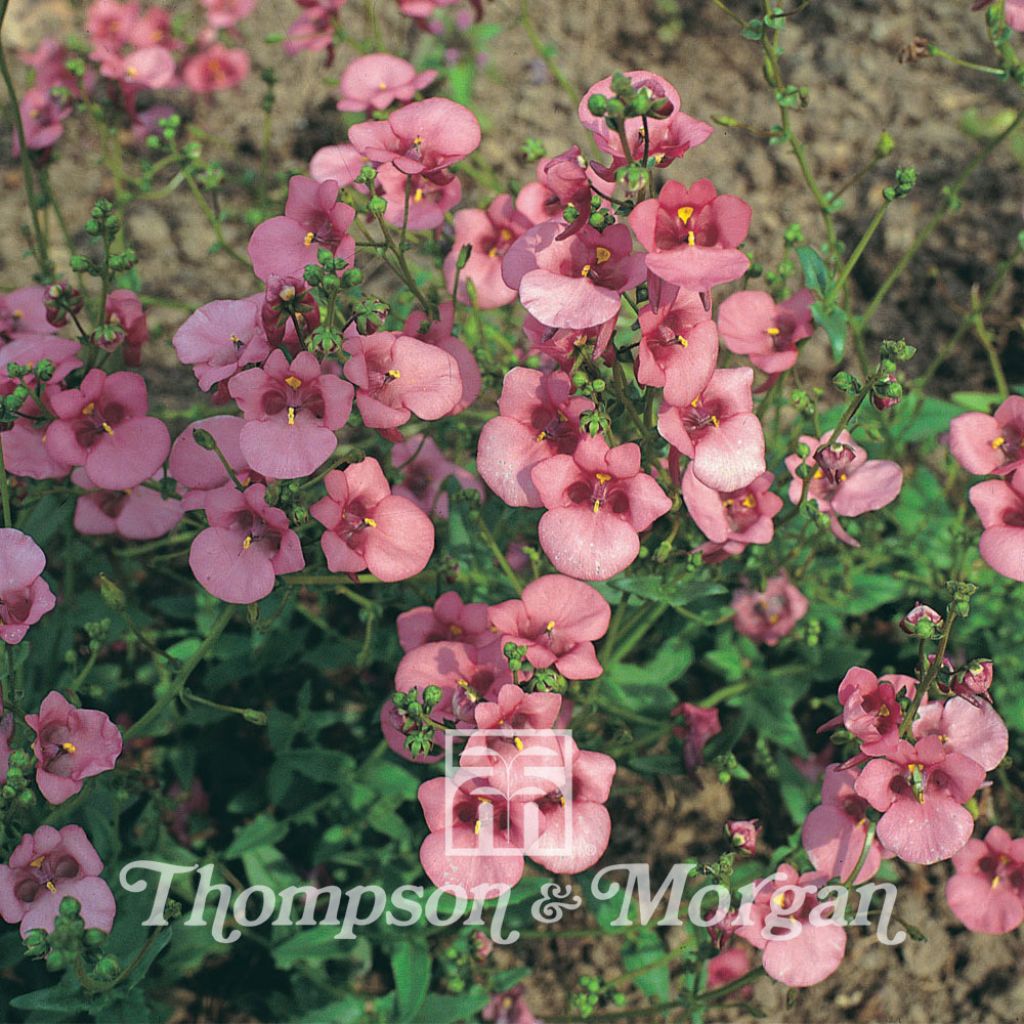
[(670, 134), (565, 178), (341, 164), (575, 282), (844, 482), (448, 619), (692, 235), (220, 338), (376, 80), (426, 137), (505, 1007), (836, 830), (313, 219), (71, 744), (291, 413), (201, 471), (46, 866), (424, 470), (397, 376), (920, 790), (135, 513), (125, 310), (227, 13), (439, 333), (23, 312), (990, 444), (744, 834), (490, 233), (752, 324), (727, 966), (871, 710), (795, 950), (556, 619), (719, 431), (368, 527), (42, 117), (149, 67), (246, 546), (766, 617), (428, 200), (1000, 506), (962, 727), (734, 518), (698, 726), (987, 891), (678, 348), (314, 29), (564, 345), (599, 501), (215, 69), (538, 419), (25, 597)]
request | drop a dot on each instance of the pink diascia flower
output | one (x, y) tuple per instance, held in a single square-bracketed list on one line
[(227, 13), (669, 134), (428, 201), (733, 518), (426, 137), (871, 708), (835, 831), (920, 790), (125, 310), (103, 426), (313, 219), (795, 950), (987, 891), (424, 469), (448, 619), (23, 312), (505, 1007), (692, 235), (439, 333), (376, 80), (215, 69), (42, 115), (135, 513), (990, 444), (719, 431), (368, 527), (222, 337), (291, 413), (729, 965), (574, 282), (697, 727), (963, 727), (25, 597), (200, 471), (599, 500), (844, 482), (71, 744), (556, 619), (678, 348), (246, 546), (744, 834), (46, 866), (341, 163), (766, 617), (1000, 506), (397, 376), (539, 418), (752, 324)]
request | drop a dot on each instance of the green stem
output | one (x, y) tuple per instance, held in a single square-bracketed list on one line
[(989, 345), (869, 838), (554, 68), (925, 684), (727, 989), (860, 247)]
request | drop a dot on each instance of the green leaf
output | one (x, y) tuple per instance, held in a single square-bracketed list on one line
[(834, 322), (869, 591), (814, 269), (410, 965), (976, 401), (657, 764), (443, 1009), (263, 830)]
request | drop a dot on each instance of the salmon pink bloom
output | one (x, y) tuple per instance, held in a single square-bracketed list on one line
[(505, 1007), (733, 518), (71, 744), (341, 164), (975, 730), (199, 470), (719, 431), (697, 727), (368, 527), (576, 282), (871, 710), (149, 67), (766, 617), (25, 597), (376, 80), (752, 324), (124, 309), (313, 219), (103, 425), (23, 312), (490, 233), (227, 13), (397, 376), (222, 337), (990, 444), (678, 348), (135, 513), (291, 413), (744, 835), (845, 482), (729, 965), (556, 619), (563, 345), (538, 419), (795, 950), (247, 545), (835, 831), (46, 866), (313, 30), (565, 178), (428, 201), (692, 235), (42, 115), (920, 790), (448, 619), (1000, 506), (987, 891), (215, 69), (426, 137), (439, 333), (424, 471), (670, 133), (599, 500)]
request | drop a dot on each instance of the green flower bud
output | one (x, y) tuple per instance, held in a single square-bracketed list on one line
[(69, 907), (107, 968), (378, 206)]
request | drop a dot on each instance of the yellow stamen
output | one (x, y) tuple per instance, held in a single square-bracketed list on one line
[(235, 339), (454, 629), (68, 748), (597, 506), (728, 503), (561, 800), (550, 626), (382, 86), (995, 881), (131, 71), (773, 331), (51, 887), (818, 474), (247, 543), (714, 421), (89, 409), (842, 477), (38, 862), (748, 502), (585, 272), (291, 415), (690, 239), (602, 255), (418, 141), (293, 382), (476, 827), (393, 374), (18, 314), (308, 240), (369, 522), (998, 442), (492, 253), (518, 742), (773, 618), (417, 196), (684, 213), (682, 341), (603, 478), (695, 402), (542, 436), (108, 428)]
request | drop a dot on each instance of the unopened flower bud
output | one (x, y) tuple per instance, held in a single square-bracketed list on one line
[(887, 393), (743, 834), (977, 676), (107, 968), (378, 206), (204, 439)]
